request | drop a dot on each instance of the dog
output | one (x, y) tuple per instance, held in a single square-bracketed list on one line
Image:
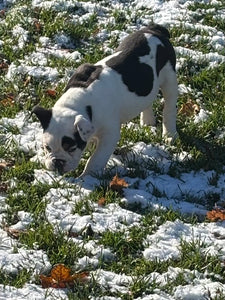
[(100, 97)]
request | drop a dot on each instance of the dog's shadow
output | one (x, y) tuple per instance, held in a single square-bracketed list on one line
[(207, 153)]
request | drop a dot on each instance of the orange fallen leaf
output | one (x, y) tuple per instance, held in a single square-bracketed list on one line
[(102, 201), (117, 184), (60, 277), (8, 100), (217, 214), (189, 108), (51, 93)]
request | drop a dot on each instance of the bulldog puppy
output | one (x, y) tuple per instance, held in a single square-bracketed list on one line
[(99, 98)]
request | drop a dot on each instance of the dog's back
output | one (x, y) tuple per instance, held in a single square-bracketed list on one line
[(142, 55)]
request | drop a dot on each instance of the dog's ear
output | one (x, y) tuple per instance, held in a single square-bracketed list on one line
[(84, 127), (44, 115)]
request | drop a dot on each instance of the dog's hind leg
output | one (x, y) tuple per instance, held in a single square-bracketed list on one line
[(170, 93), (147, 117)]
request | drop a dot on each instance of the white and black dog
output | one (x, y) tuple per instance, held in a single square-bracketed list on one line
[(99, 98)]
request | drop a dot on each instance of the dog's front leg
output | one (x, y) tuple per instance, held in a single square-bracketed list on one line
[(106, 144)]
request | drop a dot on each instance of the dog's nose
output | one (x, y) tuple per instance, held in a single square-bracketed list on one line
[(58, 165)]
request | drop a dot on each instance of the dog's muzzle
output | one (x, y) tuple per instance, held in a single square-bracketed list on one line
[(59, 165)]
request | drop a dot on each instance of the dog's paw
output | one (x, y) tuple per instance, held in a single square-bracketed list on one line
[(169, 140)]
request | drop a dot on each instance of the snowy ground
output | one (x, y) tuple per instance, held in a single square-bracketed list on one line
[(173, 192)]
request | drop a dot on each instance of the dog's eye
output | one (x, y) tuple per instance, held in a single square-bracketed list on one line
[(48, 148)]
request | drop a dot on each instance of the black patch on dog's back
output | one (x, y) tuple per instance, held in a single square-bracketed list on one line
[(164, 53), (137, 76), (156, 29), (44, 115), (84, 76)]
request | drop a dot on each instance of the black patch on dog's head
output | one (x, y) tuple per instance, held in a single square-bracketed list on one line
[(84, 76), (44, 115), (68, 143), (137, 76), (164, 53)]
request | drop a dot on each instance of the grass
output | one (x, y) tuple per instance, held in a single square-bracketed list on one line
[(200, 141)]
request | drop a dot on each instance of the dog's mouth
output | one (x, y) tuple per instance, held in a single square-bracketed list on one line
[(58, 165)]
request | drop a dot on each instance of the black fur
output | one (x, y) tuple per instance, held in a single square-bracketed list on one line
[(165, 53), (84, 76), (44, 116), (157, 30), (68, 142), (89, 112), (137, 76)]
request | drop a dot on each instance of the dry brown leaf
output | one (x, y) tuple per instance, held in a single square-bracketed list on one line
[(13, 233), (102, 201), (4, 66), (190, 108), (73, 234), (37, 25), (60, 277), (217, 214), (118, 184), (8, 101), (2, 13), (3, 187), (27, 81), (51, 93), (4, 165)]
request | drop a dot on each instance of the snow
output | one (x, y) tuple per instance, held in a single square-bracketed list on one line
[(59, 213), (165, 243), (47, 73), (12, 260), (158, 190), (30, 291)]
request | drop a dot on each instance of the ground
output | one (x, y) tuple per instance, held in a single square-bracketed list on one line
[(161, 234)]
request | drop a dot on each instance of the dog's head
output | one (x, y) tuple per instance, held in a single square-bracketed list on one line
[(65, 136)]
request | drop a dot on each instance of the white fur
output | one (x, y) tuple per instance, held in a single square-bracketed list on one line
[(112, 104)]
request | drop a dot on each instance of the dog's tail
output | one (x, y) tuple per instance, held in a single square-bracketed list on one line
[(158, 29)]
